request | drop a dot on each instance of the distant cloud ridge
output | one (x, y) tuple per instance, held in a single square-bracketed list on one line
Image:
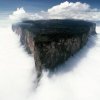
[(65, 10)]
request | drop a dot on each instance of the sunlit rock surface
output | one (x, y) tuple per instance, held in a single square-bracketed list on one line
[(52, 42)]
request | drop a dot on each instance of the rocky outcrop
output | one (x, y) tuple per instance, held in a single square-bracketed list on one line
[(51, 42)]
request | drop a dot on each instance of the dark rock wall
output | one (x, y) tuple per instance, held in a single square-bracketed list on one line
[(51, 50)]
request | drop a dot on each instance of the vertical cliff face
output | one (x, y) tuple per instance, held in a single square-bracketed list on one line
[(51, 42)]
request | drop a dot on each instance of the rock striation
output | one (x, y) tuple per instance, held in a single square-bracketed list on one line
[(52, 42)]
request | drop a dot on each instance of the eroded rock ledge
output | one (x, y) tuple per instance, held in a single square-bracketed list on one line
[(52, 42)]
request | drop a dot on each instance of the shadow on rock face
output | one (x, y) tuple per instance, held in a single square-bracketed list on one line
[(74, 60)]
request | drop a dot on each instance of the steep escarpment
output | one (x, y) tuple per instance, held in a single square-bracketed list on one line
[(51, 42)]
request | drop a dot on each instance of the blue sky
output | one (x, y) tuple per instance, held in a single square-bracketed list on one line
[(38, 5)]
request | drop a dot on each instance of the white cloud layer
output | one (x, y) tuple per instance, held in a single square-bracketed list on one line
[(82, 82), (73, 10), (65, 10), (17, 72)]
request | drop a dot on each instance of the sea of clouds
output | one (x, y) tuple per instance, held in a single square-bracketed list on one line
[(78, 80)]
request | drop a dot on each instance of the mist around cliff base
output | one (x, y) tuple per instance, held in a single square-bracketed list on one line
[(78, 78)]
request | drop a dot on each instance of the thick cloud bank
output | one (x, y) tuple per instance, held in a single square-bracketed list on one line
[(80, 78), (64, 10), (76, 10), (16, 67), (80, 82)]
